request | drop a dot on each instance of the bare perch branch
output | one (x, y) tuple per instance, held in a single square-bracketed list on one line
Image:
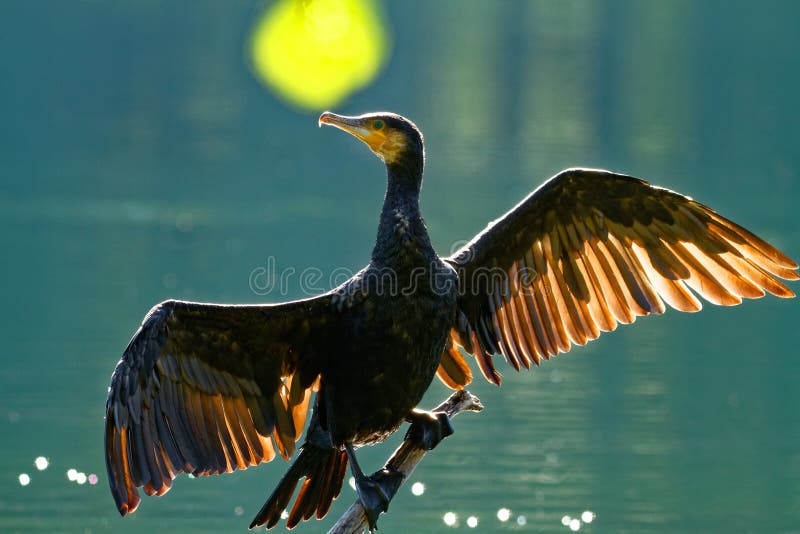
[(405, 459)]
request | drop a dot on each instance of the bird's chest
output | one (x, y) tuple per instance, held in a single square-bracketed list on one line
[(387, 357), (401, 320), (413, 314)]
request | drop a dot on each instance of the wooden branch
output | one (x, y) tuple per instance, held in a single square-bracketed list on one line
[(405, 459)]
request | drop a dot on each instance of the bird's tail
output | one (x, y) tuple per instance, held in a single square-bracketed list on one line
[(323, 469)]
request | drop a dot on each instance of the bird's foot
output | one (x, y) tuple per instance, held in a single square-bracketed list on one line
[(428, 428), (376, 491)]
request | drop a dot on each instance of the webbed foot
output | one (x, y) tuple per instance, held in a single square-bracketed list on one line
[(376, 491), (428, 428)]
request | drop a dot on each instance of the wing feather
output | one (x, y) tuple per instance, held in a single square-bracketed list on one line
[(589, 250), (546, 305), (208, 389), (453, 369)]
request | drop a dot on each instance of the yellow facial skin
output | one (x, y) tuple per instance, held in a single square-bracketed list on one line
[(386, 142)]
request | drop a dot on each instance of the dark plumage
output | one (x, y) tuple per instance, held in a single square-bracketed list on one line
[(207, 388)]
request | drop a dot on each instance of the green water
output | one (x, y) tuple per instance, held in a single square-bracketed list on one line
[(140, 160)]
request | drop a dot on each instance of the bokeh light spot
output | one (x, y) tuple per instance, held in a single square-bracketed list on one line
[(472, 521), (503, 514), (24, 479), (450, 519), (314, 53), (41, 463), (418, 488)]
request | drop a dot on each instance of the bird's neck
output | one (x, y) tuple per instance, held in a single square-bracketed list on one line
[(402, 236)]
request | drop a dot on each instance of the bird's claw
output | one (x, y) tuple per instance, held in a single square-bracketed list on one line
[(429, 428), (376, 491)]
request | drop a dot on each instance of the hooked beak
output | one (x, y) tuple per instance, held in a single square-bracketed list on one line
[(360, 127)]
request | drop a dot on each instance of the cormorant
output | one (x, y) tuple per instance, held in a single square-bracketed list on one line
[(209, 388)]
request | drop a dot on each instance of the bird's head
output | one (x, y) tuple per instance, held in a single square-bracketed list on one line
[(394, 139)]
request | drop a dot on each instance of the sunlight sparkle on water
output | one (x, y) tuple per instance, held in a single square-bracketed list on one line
[(587, 516), (503, 514), (41, 463), (418, 488), (472, 521), (522, 520), (72, 475), (565, 520), (575, 525), (80, 478), (450, 519), (24, 479), (92, 479)]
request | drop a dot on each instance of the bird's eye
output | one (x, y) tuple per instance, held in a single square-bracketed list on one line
[(378, 124)]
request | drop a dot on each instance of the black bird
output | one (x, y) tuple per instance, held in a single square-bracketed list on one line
[(211, 388)]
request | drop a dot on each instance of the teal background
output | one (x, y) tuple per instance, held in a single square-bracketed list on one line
[(140, 160)]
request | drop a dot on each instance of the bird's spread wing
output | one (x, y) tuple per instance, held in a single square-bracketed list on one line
[(206, 389), (590, 249)]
